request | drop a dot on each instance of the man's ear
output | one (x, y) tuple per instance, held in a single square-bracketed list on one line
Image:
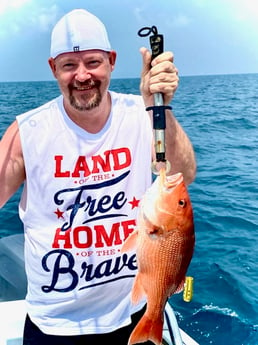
[(52, 65), (112, 59)]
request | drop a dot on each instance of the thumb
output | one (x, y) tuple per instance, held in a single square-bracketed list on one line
[(145, 76), (146, 61)]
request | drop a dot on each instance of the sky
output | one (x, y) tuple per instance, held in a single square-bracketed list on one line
[(206, 36)]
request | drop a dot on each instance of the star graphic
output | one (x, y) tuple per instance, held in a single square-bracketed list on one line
[(59, 213), (134, 203)]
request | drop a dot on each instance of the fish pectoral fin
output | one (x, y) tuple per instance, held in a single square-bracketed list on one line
[(130, 242), (147, 329), (137, 291)]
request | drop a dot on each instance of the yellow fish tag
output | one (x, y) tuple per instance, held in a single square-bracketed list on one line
[(188, 289)]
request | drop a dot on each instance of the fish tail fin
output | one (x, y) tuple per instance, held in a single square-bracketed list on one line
[(147, 329)]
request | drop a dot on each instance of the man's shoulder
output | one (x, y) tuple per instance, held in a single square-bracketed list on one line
[(52, 104)]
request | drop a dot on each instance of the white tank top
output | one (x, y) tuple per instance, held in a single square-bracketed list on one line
[(79, 203)]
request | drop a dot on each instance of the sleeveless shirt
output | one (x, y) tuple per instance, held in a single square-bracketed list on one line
[(79, 204)]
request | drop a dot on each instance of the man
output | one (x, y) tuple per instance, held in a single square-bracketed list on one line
[(85, 160)]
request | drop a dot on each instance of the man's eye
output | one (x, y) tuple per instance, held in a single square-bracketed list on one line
[(68, 65), (94, 63)]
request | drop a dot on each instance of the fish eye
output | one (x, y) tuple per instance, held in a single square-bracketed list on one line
[(182, 203)]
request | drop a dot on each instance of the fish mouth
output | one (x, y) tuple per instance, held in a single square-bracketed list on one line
[(171, 181)]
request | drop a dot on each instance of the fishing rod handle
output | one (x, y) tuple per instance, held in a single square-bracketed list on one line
[(156, 43), (156, 40)]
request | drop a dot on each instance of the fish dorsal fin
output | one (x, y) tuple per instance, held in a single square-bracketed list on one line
[(130, 242)]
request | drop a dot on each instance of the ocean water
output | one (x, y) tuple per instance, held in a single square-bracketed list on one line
[(220, 115)]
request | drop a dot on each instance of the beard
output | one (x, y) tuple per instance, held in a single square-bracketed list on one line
[(90, 100)]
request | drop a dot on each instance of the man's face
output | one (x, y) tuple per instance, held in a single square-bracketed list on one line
[(83, 77)]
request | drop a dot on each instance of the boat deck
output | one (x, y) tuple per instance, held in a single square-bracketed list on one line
[(13, 316)]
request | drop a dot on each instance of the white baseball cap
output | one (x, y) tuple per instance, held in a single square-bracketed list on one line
[(78, 30)]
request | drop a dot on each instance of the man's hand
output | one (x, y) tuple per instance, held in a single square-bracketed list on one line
[(158, 75)]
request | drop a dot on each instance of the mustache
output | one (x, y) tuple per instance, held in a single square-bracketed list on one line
[(88, 83)]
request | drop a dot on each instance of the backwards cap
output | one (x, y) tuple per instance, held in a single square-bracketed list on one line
[(78, 30)]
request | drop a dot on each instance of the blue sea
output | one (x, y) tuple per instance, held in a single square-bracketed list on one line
[(220, 115)]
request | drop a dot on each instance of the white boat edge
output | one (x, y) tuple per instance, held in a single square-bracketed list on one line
[(13, 315)]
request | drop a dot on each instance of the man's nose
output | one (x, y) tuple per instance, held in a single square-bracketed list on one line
[(82, 73)]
